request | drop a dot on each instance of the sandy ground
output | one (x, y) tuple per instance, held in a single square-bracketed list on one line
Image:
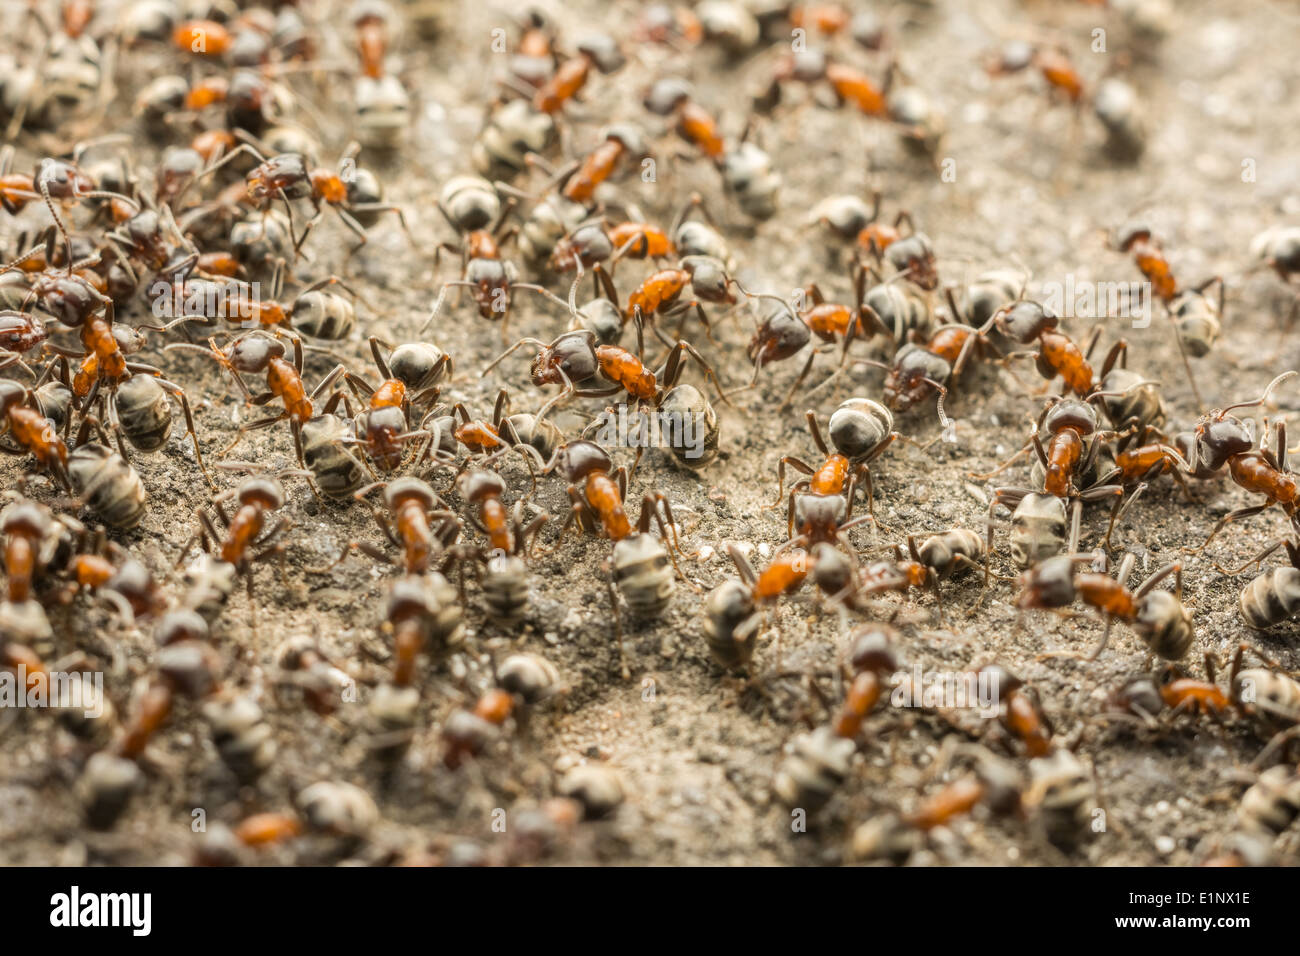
[(694, 748)]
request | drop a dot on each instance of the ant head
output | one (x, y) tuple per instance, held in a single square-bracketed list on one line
[(667, 95), (62, 178), (181, 625), (263, 490), (578, 459), (480, 485), (819, 511), (28, 518), (407, 488), (781, 335), (253, 353), (1072, 414), (1024, 321), (412, 597), (1220, 437), (1048, 584), (572, 353), (1131, 234), (906, 383), (858, 426), (1004, 679), (709, 279), (914, 255), (630, 137), (872, 649), (276, 173)]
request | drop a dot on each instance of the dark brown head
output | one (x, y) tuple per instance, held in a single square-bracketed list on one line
[(253, 353), (571, 353), (1131, 234), (1220, 437), (476, 486), (401, 490), (578, 459), (1048, 584), (781, 335), (63, 180), (906, 385), (262, 490), (871, 648), (1024, 321), (819, 517), (68, 297), (1072, 414), (914, 255)]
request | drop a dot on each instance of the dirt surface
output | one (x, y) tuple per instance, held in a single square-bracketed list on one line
[(696, 749)]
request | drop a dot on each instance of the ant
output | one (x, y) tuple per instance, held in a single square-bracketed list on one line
[(491, 439), (482, 491), (861, 430), (931, 367), (1020, 712), (243, 538), (571, 75), (1053, 64), (1028, 323), (849, 85), (53, 179), (573, 359), (1221, 439), (286, 176), (27, 526), (32, 431), (598, 493), (260, 354), (872, 660), (849, 218), (412, 508), (1159, 617), (490, 278), (618, 143), (673, 97), (386, 423), (1195, 316)]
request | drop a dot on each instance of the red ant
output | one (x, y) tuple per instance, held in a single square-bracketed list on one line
[(1222, 439), (259, 354)]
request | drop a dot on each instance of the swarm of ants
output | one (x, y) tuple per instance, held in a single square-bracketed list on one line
[(194, 199)]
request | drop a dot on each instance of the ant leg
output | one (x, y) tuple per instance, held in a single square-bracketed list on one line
[(1255, 560), (1002, 467), (368, 549), (794, 463), (618, 627), (382, 207), (1226, 519), (1280, 739), (789, 396), (189, 424)]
